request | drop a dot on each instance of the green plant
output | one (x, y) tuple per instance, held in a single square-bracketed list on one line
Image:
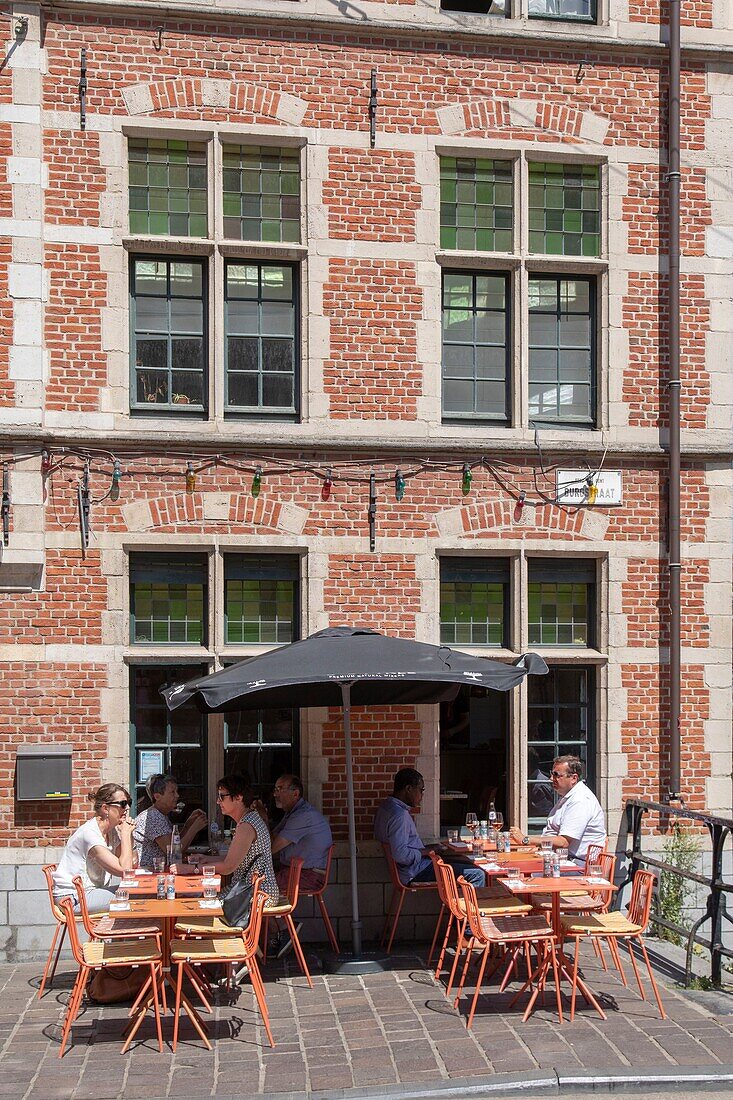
[(682, 851)]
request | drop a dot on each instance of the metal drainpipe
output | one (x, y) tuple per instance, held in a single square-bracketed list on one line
[(673, 182)]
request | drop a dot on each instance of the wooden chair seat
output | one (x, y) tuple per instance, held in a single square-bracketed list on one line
[(499, 905), (503, 929), (107, 925), (203, 927), (279, 910), (601, 924), (577, 902), (217, 949), (99, 953)]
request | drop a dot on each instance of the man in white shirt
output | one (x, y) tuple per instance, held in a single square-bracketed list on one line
[(577, 818)]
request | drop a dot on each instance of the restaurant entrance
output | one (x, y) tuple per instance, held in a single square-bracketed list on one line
[(474, 746)]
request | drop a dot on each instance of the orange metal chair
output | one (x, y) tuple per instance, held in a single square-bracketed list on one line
[(516, 935), (108, 927), (188, 954), (318, 895), (584, 901), (493, 900), (614, 927), (399, 893), (284, 911), (60, 930), (97, 955)]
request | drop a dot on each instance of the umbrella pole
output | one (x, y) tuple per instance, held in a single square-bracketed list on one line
[(351, 815)]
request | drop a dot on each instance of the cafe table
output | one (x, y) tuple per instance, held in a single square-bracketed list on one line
[(555, 887), (144, 905)]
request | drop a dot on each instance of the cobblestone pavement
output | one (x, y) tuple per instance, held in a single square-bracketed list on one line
[(383, 1030)]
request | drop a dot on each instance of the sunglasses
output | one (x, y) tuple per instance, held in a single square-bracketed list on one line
[(279, 790), (123, 803), (221, 795), (559, 775)]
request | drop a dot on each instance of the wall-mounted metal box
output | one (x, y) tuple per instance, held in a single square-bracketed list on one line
[(43, 772)]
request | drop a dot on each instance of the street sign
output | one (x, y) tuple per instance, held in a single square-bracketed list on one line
[(586, 487)]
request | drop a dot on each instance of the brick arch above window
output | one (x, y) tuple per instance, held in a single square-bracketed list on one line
[(234, 513), (490, 115), (202, 93), (488, 518)]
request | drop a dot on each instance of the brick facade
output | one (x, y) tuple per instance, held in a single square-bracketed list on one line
[(369, 269)]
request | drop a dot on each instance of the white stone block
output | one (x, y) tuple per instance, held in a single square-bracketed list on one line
[(29, 907), (290, 109), (26, 281), (137, 515), (28, 171), (594, 127), (27, 250), (18, 113), (28, 322), (720, 81), (523, 112), (33, 940), (27, 142), (293, 518), (719, 138), (78, 234), (27, 202), (27, 363), (27, 87), (216, 506), (722, 106), (111, 149), (595, 524), (114, 329), (216, 93), (111, 213), (138, 99), (719, 240), (450, 522), (19, 227), (452, 118)]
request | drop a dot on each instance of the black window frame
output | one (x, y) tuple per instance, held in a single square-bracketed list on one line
[(488, 570), (559, 277), (262, 747), (170, 407), (173, 674), (475, 416), (261, 411), (562, 745)]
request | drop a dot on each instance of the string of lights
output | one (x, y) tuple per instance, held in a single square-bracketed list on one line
[(121, 467)]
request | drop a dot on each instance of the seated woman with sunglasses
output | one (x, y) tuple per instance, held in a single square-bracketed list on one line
[(249, 853), (99, 850)]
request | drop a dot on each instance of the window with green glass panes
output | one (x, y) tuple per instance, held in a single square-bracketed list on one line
[(565, 209), (261, 599), (167, 187), (476, 204), (473, 599), (168, 599), (261, 193), (560, 601)]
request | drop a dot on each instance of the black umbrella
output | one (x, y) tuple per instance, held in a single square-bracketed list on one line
[(347, 666)]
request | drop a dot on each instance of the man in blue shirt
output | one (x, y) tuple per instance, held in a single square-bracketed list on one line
[(302, 832), (394, 825)]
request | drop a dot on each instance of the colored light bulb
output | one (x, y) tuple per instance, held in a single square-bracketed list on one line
[(190, 478), (399, 485), (466, 479), (257, 481)]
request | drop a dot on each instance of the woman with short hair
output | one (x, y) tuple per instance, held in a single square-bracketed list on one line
[(153, 828), (99, 850)]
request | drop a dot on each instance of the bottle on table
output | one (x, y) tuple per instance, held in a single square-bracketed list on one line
[(176, 849), (214, 835)]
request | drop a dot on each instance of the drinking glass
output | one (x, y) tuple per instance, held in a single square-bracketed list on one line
[(209, 892), (193, 860), (545, 844), (595, 872), (128, 879), (497, 822), (452, 835), (121, 899), (208, 872), (562, 854), (159, 864), (478, 846), (472, 823)]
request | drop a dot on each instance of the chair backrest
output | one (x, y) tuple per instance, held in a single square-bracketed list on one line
[(83, 907), (58, 913), (293, 887), (640, 903), (472, 910), (593, 855), (448, 888), (67, 907), (327, 871), (607, 863), (393, 872), (251, 931), (436, 861)]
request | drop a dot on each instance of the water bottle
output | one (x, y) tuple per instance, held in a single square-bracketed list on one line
[(555, 866), (170, 888), (547, 865), (176, 850), (483, 831), (214, 834), (492, 815), (161, 888)]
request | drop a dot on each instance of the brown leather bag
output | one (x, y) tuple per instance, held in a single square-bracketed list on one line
[(109, 986)]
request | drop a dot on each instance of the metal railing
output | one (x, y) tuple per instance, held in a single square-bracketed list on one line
[(720, 830)]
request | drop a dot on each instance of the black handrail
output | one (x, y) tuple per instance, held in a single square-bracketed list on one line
[(720, 829)]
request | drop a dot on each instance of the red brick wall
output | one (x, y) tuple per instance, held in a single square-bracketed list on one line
[(73, 328), (371, 196)]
